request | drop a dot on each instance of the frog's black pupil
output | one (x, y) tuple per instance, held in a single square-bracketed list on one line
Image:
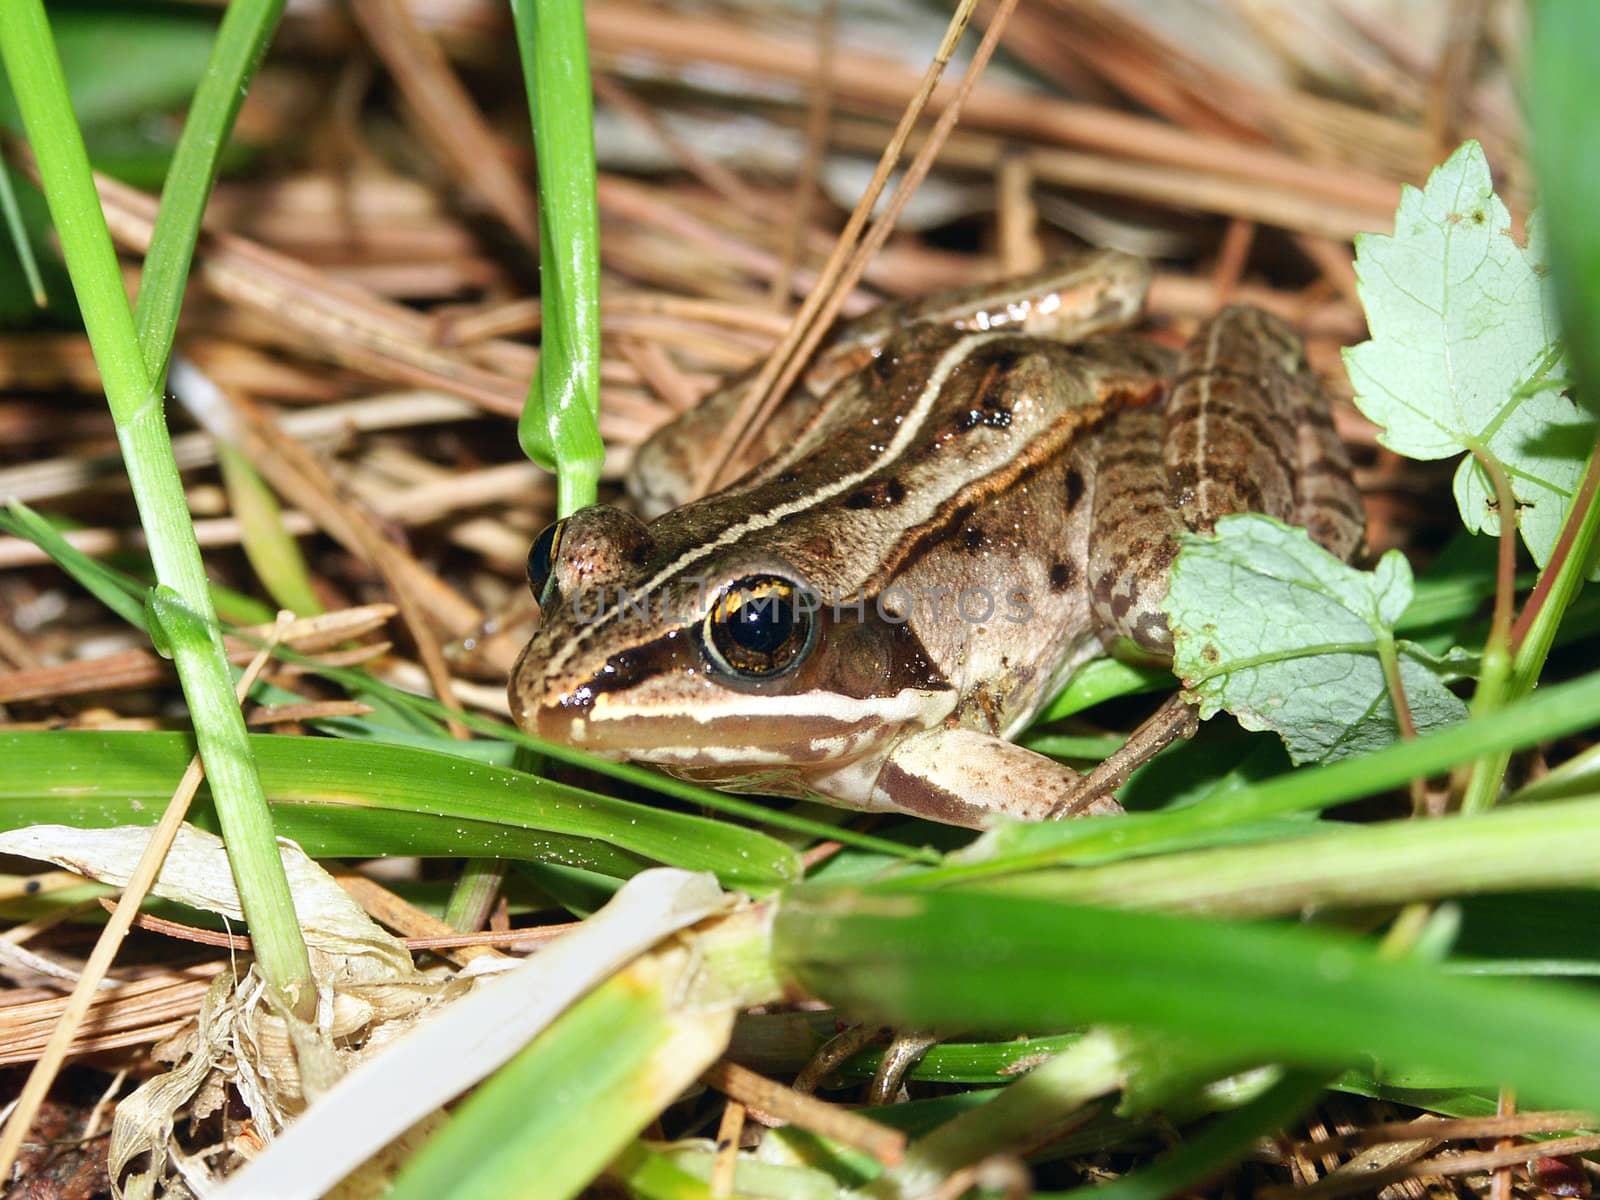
[(541, 560), (763, 625)]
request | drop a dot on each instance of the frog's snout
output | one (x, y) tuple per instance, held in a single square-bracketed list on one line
[(541, 706)]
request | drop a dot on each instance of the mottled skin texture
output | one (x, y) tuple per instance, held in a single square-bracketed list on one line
[(1001, 502)]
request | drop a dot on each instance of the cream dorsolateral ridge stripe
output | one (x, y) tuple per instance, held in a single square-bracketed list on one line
[(908, 431)]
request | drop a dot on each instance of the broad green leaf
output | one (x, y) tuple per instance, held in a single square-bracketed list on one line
[(1464, 353), (1271, 627)]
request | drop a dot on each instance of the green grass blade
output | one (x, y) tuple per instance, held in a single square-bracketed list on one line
[(118, 592), (1551, 712), (355, 798), (559, 428), (1258, 993), (1091, 1067), (40, 87), (1561, 107), (36, 78), (20, 241), (242, 39), (615, 1059), (273, 552), (1515, 849)]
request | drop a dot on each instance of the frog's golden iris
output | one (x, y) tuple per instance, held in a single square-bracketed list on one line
[(759, 628)]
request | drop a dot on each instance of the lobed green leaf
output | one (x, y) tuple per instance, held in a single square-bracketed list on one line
[(1271, 627), (1464, 353)]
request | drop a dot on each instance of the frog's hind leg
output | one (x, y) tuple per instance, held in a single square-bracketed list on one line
[(1244, 429)]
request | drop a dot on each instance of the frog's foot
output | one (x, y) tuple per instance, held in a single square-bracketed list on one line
[(834, 1052), (1173, 720), (904, 1052), (964, 777)]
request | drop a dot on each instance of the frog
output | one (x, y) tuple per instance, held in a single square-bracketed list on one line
[(964, 500)]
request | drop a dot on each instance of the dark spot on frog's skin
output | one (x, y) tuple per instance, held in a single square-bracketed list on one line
[(996, 418), (1062, 575), (33, 887), (885, 493), (973, 537), (624, 670), (1074, 488)]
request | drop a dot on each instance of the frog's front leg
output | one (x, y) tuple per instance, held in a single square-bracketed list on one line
[(961, 776)]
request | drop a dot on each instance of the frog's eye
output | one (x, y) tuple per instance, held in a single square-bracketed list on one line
[(760, 627), (542, 561)]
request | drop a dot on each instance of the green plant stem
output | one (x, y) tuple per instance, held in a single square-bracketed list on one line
[(35, 72), (1561, 85), (1558, 587), (1389, 660), (1480, 784), (1516, 672), (473, 895), (242, 39), (559, 427)]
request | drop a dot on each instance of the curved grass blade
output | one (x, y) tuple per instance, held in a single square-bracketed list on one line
[(1337, 865), (347, 798)]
